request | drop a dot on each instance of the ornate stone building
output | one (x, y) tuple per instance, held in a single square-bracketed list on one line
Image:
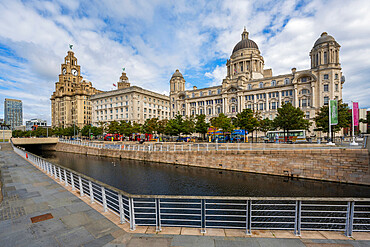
[(70, 102), (129, 103), (249, 85)]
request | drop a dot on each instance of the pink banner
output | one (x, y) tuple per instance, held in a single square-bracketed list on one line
[(355, 113)]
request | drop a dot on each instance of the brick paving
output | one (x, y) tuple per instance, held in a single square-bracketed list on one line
[(28, 192)]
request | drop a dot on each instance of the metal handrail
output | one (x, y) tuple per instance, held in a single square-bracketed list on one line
[(161, 147), (201, 213)]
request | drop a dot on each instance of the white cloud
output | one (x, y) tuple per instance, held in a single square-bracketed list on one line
[(217, 75)]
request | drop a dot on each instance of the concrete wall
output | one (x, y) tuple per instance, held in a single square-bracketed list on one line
[(38, 141), (7, 134), (340, 165)]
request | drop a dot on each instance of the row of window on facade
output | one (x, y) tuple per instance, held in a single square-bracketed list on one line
[(122, 117), (126, 97), (127, 103)]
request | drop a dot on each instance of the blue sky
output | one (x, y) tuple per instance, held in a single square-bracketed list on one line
[(152, 39)]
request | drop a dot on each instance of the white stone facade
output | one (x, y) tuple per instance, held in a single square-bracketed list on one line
[(129, 104), (249, 85)]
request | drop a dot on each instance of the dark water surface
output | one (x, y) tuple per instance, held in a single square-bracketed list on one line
[(139, 177)]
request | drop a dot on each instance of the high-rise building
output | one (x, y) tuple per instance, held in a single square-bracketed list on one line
[(13, 114), (248, 85), (70, 102), (129, 103)]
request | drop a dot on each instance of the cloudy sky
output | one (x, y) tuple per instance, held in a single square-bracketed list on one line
[(153, 38)]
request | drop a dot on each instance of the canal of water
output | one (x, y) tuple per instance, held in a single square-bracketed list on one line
[(139, 177)]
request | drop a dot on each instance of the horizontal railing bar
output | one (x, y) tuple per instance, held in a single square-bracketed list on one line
[(181, 214), (228, 221), (272, 210), (223, 215), (170, 225), (227, 204), (289, 205), (181, 220), (144, 207), (189, 203), (321, 205), (272, 222), (321, 211), (218, 209), (362, 212), (272, 216), (180, 208), (233, 227), (357, 218), (322, 223), (320, 217), (271, 228)]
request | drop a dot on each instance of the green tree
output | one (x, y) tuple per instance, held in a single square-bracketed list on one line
[(162, 124), (174, 126), (246, 120), (201, 126), (150, 125), (86, 130), (344, 118), (136, 128), (266, 125), (222, 122), (113, 128), (188, 125), (290, 118)]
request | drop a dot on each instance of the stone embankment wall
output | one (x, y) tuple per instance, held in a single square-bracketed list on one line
[(339, 165)]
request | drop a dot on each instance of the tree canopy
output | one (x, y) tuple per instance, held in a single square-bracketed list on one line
[(344, 118), (222, 122), (290, 118), (246, 120)]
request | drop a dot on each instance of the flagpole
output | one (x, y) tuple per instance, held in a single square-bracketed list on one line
[(330, 142), (353, 143)]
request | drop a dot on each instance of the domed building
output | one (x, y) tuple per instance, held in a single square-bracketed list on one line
[(249, 85)]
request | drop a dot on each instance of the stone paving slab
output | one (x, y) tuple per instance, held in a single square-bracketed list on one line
[(76, 222)]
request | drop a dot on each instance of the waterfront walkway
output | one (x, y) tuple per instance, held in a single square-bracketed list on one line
[(66, 220)]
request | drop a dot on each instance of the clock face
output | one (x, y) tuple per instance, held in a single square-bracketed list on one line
[(74, 72), (64, 71)]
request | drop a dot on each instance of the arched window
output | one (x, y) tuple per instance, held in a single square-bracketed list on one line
[(261, 84)]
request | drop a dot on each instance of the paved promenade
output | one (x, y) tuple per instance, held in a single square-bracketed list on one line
[(67, 220)]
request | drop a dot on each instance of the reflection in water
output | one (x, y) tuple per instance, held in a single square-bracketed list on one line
[(139, 177)]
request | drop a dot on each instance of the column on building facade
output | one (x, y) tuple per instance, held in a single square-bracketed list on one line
[(296, 104), (279, 99), (214, 107), (226, 105), (267, 102), (187, 109), (313, 93)]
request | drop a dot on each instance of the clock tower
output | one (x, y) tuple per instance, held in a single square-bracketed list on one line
[(70, 102)]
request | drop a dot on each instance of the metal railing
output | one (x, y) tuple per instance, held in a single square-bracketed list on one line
[(248, 213), (160, 147)]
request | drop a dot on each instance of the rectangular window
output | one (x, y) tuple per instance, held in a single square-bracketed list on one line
[(304, 102), (326, 88), (304, 79), (273, 105), (307, 114), (249, 86), (260, 106), (209, 92), (218, 91), (336, 76), (286, 81), (336, 87), (326, 77)]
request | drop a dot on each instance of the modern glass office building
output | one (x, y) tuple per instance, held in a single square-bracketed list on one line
[(13, 114)]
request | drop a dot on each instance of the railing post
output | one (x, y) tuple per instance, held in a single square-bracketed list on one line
[(198, 146), (158, 214), (297, 223), (72, 181), (132, 214), (168, 147), (189, 147), (249, 218), (121, 212), (80, 184), (203, 216), (60, 174), (182, 147), (349, 221), (207, 146), (161, 148), (91, 192), (65, 178), (174, 147), (227, 146), (104, 198), (55, 172)]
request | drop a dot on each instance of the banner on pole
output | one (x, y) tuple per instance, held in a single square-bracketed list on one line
[(355, 113), (333, 105)]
